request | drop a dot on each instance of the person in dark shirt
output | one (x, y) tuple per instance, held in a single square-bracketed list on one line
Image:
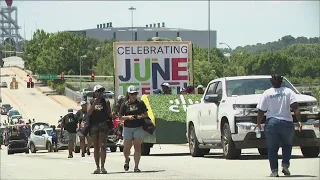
[(81, 116), (133, 112), (99, 113), (70, 124), (166, 88), (200, 89)]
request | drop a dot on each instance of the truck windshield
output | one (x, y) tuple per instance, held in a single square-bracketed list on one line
[(251, 86)]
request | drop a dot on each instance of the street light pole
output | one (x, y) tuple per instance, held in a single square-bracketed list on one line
[(132, 9), (209, 43), (84, 56)]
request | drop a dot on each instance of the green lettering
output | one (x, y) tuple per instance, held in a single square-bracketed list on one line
[(137, 71)]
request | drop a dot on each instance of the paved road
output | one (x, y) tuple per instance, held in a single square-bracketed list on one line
[(167, 162)]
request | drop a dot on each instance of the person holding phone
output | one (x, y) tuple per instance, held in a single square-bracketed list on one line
[(99, 113), (132, 112)]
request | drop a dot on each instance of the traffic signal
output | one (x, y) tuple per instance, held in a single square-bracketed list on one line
[(62, 76), (92, 77)]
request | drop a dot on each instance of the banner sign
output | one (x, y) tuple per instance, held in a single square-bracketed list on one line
[(148, 64)]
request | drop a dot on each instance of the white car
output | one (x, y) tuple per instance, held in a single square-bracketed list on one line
[(227, 115), (40, 139)]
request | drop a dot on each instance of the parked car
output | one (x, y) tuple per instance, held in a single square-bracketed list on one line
[(12, 112), (3, 84), (17, 143), (227, 115), (5, 108), (39, 125), (41, 139), (108, 94), (15, 118)]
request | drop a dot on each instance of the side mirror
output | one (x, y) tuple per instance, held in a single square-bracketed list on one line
[(211, 98), (309, 93)]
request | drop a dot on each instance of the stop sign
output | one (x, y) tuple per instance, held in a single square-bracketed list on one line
[(9, 2)]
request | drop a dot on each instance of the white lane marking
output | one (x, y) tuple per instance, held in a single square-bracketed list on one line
[(11, 164)]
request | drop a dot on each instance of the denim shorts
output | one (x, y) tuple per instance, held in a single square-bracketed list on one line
[(72, 137), (132, 133)]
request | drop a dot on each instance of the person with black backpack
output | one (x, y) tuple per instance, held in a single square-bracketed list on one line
[(100, 121), (133, 112), (70, 124)]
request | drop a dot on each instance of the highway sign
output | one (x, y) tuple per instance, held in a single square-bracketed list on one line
[(48, 76)]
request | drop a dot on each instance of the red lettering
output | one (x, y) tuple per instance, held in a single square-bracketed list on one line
[(145, 90), (176, 69)]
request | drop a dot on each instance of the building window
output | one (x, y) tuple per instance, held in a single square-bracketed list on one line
[(135, 36), (114, 35), (178, 34), (157, 34)]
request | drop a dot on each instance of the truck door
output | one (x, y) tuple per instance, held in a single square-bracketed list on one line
[(205, 112), (211, 115)]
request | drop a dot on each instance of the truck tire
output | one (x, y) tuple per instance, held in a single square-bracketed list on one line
[(310, 152), (10, 152), (33, 148), (77, 149), (195, 151), (121, 148), (263, 151), (229, 149), (145, 149), (113, 148)]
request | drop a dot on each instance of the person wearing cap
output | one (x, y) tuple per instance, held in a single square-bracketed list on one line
[(277, 102), (133, 112), (166, 88), (200, 89), (100, 120), (81, 116), (70, 124)]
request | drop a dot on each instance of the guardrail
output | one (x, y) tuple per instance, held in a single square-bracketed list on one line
[(74, 96)]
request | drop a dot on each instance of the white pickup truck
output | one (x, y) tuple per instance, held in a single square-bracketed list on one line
[(227, 115)]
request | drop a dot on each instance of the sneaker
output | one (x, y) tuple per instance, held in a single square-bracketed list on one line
[(136, 170), (88, 151), (83, 155), (70, 156), (126, 165), (274, 174), (103, 171), (286, 171), (97, 171)]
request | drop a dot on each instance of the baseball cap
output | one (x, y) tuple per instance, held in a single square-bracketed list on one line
[(183, 89), (132, 89), (157, 91), (199, 86), (165, 84), (120, 97), (98, 87), (70, 110), (83, 103)]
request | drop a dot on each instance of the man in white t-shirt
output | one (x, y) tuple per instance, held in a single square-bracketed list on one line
[(279, 128)]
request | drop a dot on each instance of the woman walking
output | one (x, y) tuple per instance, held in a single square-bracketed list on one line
[(132, 112), (99, 113)]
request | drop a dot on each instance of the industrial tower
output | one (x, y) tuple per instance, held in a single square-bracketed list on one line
[(9, 25)]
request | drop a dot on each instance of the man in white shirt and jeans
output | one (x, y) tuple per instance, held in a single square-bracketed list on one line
[(279, 127)]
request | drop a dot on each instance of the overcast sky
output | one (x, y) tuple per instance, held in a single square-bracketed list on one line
[(237, 23)]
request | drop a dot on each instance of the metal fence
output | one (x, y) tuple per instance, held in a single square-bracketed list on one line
[(76, 97)]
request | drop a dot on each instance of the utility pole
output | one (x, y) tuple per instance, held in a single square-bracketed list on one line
[(132, 9), (209, 48)]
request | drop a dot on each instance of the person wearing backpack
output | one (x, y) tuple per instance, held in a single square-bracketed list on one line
[(70, 124), (133, 112)]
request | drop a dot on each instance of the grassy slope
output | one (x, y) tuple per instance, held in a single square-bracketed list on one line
[(171, 126)]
